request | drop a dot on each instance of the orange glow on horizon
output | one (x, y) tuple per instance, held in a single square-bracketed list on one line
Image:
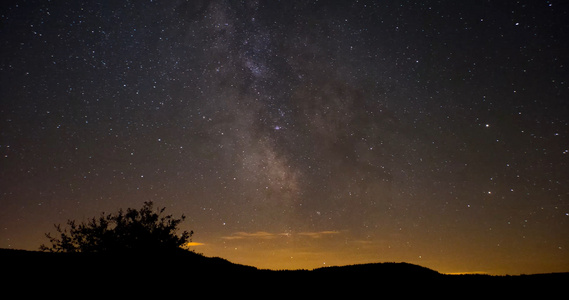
[(311, 250)]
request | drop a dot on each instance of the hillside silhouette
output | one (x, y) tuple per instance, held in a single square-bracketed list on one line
[(140, 252), (88, 270)]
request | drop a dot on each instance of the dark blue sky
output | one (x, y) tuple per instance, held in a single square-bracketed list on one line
[(301, 132)]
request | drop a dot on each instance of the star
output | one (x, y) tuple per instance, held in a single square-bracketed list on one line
[(380, 122)]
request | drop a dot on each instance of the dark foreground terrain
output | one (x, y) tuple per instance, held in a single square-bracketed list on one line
[(186, 273)]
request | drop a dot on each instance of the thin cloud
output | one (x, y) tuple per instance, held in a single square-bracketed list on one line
[(267, 235), (319, 234), (194, 244), (250, 235)]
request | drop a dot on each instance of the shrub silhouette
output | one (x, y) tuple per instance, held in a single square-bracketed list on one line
[(139, 231)]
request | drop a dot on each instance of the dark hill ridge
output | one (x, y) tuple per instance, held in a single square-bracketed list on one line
[(125, 263), (393, 269), (188, 260), (182, 267)]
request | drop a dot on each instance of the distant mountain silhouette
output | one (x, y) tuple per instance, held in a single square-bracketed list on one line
[(188, 269), (62, 264), (389, 269)]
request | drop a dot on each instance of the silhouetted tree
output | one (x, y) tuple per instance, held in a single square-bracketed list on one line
[(141, 230)]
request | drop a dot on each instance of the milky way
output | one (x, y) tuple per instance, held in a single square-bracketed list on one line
[(295, 134)]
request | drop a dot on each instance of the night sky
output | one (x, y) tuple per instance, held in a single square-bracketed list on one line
[(295, 134)]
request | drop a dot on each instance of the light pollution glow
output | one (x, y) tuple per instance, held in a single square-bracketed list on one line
[(296, 134)]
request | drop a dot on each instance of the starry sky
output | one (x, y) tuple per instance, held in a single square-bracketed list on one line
[(296, 134)]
